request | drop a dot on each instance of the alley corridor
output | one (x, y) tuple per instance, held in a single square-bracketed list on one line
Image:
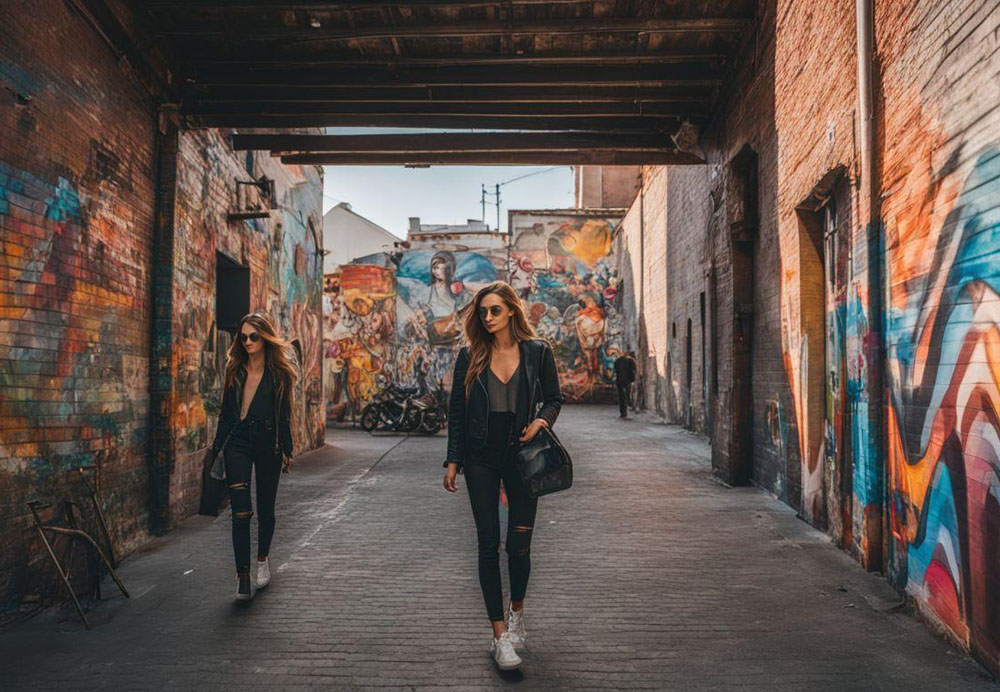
[(647, 575)]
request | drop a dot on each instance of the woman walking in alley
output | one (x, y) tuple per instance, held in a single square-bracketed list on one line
[(254, 432), (501, 377)]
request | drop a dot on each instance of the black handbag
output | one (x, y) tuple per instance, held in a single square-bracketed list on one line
[(544, 464), (213, 477)]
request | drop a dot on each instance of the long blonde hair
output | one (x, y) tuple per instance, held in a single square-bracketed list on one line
[(276, 356), (480, 340)]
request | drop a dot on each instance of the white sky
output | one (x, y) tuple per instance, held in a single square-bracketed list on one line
[(389, 195)]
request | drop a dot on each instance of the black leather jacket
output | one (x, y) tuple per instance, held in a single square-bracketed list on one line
[(232, 404), (538, 397)]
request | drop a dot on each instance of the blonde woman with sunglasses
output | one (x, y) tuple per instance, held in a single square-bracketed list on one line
[(505, 389), (255, 433)]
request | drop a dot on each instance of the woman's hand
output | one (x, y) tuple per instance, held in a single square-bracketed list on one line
[(286, 464), (449, 478), (533, 427)]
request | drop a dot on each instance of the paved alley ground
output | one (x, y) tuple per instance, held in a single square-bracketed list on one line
[(647, 574)]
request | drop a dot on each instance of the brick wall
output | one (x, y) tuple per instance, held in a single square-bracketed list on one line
[(104, 214), (795, 294), (76, 220), (285, 281), (939, 150)]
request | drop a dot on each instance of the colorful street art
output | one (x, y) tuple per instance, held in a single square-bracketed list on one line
[(943, 341), (359, 313), (437, 280), (563, 266), (403, 322)]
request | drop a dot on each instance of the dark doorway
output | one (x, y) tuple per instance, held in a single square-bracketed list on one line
[(687, 375), (827, 469), (743, 238)]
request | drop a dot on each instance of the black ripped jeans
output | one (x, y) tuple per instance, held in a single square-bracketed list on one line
[(252, 446), (483, 473)]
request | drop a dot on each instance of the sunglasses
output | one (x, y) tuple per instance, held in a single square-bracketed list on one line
[(495, 310), (252, 336)]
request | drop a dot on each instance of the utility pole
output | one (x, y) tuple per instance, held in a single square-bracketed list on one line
[(496, 191)]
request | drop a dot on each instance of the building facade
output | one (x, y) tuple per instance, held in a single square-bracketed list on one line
[(119, 228), (348, 235), (821, 300)]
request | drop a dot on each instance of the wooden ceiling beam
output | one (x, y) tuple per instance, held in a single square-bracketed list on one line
[(300, 34), (590, 124), (449, 142), (509, 158), (214, 60), (335, 5), (447, 94), (563, 109), (696, 74)]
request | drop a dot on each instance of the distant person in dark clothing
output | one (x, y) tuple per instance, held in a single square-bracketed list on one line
[(624, 377)]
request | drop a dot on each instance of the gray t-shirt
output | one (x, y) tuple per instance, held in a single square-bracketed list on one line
[(503, 397)]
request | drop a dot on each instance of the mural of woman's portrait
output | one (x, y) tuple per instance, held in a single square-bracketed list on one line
[(434, 292)]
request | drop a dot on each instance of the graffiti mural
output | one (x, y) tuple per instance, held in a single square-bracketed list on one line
[(943, 341), (437, 280), (402, 318), (359, 323), (563, 266)]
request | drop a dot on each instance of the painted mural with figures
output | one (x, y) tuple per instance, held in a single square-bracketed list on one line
[(563, 266), (401, 320)]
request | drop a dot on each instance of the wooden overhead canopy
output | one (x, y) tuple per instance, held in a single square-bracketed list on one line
[(611, 67)]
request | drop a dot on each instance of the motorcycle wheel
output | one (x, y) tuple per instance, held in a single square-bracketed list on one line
[(369, 418), (431, 424), (411, 422)]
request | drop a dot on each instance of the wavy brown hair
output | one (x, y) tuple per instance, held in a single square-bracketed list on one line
[(276, 356), (480, 340)]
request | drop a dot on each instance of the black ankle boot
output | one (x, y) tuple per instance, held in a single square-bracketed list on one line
[(244, 589)]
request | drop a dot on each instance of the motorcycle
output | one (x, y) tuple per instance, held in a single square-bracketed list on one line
[(433, 410), (392, 409), (403, 409)]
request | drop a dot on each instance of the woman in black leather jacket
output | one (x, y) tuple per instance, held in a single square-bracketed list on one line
[(504, 390), (255, 432)]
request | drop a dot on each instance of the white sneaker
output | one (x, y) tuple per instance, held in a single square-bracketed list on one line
[(263, 574), (515, 628), (503, 653)]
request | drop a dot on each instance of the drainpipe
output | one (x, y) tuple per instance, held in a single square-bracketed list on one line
[(873, 527), (642, 343)]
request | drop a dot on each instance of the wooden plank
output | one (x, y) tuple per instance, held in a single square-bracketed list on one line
[(220, 56), (334, 5), (564, 27), (510, 158), (572, 109), (590, 124), (438, 142), (465, 94), (696, 74)]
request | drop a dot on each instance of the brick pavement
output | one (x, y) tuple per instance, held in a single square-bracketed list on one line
[(647, 575)]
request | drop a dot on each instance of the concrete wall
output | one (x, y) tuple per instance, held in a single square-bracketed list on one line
[(109, 355), (802, 298)]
